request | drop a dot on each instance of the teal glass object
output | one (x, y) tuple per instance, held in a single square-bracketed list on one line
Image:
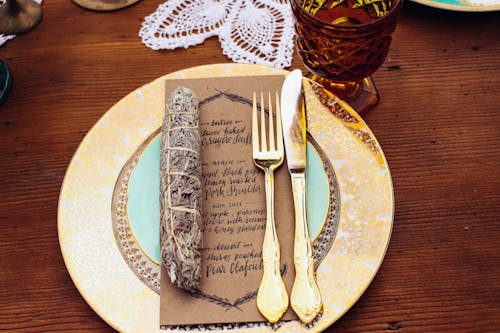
[(5, 81)]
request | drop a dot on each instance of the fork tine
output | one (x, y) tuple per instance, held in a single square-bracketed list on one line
[(271, 125), (255, 126), (263, 143), (279, 131)]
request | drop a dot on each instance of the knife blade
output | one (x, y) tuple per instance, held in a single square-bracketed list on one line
[(293, 122), (305, 298)]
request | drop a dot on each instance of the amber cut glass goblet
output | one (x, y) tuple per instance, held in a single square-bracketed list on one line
[(343, 42)]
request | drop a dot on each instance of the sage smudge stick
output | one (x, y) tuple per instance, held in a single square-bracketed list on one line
[(180, 190)]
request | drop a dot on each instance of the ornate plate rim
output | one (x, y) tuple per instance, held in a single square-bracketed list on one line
[(108, 303), (461, 8)]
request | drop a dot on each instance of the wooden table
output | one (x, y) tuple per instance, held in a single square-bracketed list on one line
[(438, 123)]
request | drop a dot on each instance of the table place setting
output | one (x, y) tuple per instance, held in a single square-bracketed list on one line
[(207, 241), (220, 165), (110, 203), (167, 184)]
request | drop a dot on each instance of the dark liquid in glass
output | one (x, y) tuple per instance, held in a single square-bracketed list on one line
[(329, 50), (350, 13)]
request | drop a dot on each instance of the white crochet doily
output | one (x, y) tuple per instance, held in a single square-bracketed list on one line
[(4, 38), (249, 31)]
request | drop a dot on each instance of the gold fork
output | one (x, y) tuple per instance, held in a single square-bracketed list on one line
[(272, 298)]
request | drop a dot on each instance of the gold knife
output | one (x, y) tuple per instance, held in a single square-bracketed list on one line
[(305, 298)]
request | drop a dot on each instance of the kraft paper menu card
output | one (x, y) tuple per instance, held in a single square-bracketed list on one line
[(233, 209)]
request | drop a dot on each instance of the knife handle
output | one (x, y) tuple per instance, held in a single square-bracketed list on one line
[(305, 298), (272, 298)]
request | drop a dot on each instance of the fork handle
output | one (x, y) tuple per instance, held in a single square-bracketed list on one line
[(272, 298), (305, 297)]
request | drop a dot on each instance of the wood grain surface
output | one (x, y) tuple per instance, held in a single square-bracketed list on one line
[(438, 123)]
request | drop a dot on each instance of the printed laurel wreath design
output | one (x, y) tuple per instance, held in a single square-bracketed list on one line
[(250, 31)]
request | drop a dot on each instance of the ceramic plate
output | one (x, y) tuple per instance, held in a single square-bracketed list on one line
[(463, 5), (112, 253)]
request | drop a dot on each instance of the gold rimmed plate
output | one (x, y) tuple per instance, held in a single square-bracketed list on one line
[(96, 223)]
